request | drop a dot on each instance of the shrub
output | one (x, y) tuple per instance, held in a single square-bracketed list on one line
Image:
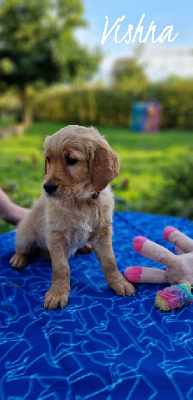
[(175, 196), (101, 107)]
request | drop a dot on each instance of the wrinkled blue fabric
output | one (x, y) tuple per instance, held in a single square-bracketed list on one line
[(101, 346)]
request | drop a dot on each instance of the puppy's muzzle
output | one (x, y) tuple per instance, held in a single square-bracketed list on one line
[(50, 188)]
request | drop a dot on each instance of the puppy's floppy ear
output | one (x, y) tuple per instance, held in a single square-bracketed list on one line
[(104, 166)]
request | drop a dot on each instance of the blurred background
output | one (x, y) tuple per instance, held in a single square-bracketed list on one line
[(54, 71)]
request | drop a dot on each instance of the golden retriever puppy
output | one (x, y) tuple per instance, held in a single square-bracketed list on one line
[(75, 208)]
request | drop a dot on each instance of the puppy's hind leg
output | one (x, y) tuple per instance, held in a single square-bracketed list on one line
[(19, 260), (25, 244), (85, 250)]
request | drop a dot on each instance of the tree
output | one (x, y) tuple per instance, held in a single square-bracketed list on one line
[(128, 74), (37, 44)]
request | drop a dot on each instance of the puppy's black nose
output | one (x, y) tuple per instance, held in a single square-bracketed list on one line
[(49, 187)]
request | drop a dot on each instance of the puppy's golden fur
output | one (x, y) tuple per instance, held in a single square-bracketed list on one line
[(78, 163)]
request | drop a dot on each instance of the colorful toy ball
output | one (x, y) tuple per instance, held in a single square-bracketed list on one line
[(175, 296)]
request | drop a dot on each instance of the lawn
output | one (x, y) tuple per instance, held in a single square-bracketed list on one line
[(144, 157)]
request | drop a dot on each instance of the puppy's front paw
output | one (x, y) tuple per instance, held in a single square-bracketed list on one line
[(56, 297), (121, 286), (19, 260)]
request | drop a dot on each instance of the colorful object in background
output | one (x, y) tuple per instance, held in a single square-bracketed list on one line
[(175, 296), (146, 116)]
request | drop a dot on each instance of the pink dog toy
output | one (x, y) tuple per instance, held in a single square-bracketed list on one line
[(179, 269)]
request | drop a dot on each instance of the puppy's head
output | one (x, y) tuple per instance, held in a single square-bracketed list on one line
[(78, 163)]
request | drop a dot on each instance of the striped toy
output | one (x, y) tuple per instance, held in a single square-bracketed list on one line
[(175, 296)]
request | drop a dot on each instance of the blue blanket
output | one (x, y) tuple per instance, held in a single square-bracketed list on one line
[(101, 346)]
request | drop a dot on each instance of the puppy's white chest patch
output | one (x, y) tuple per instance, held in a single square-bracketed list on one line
[(80, 236), (85, 226)]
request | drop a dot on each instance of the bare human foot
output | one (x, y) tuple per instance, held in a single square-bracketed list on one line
[(15, 214), (9, 211)]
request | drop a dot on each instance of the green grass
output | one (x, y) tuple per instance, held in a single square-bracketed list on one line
[(143, 157)]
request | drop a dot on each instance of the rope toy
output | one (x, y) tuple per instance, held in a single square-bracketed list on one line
[(175, 296)]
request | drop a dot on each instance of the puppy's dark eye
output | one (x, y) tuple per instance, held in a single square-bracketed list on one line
[(48, 159), (71, 161)]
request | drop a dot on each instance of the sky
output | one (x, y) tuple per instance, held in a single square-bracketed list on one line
[(161, 59)]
